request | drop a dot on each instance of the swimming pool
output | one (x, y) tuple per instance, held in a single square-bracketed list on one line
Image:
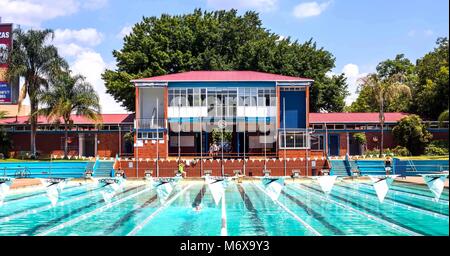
[(351, 209)]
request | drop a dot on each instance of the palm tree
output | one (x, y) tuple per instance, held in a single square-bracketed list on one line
[(69, 95), (385, 90), (35, 60)]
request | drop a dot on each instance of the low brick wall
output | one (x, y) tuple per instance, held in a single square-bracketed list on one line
[(253, 167)]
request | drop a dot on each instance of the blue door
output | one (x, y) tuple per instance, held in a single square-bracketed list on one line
[(333, 145)]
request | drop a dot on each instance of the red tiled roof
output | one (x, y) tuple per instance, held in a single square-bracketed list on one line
[(107, 119), (222, 76), (354, 117), (313, 118)]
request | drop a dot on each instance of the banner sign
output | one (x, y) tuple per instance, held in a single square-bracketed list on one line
[(326, 183), (273, 187), (5, 92), (5, 43), (5, 183), (381, 184), (435, 183)]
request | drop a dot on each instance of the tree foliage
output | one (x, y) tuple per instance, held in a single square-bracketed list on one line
[(427, 80), (69, 95), (219, 40), (35, 60), (411, 133), (432, 90), (397, 74)]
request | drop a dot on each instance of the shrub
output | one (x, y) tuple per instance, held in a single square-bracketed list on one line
[(411, 133), (401, 151), (433, 150)]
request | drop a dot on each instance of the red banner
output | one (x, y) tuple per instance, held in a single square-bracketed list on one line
[(5, 44)]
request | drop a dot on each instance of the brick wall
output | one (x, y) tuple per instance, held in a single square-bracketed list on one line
[(254, 167), (53, 143)]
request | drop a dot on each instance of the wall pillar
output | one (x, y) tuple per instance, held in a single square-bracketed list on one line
[(80, 144)]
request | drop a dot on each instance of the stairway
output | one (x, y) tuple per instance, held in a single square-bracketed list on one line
[(338, 168), (103, 168)]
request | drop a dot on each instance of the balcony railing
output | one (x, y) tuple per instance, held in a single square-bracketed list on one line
[(149, 123)]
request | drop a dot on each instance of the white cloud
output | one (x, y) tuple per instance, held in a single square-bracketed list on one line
[(91, 65), (87, 36), (425, 32), (351, 71), (310, 9), (70, 49), (33, 12), (260, 5), (94, 4), (124, 32), (428, 32)]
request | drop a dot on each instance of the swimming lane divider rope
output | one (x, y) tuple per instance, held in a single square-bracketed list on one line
[(424, 197), (91, 213), (372, 217), (41, 193), (306, 225), (44, 208), (162, 207), (396, 203)]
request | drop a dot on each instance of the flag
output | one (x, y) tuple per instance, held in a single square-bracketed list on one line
[(54, 188), (5, 183), (326, 183), (381, 184), (273, 186), (217, 188), (435, 183), (163, 189)]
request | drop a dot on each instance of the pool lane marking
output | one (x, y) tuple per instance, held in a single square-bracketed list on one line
[(44, 208), (316, 215), (41, 193), (34, 229), (127, 216), (162, 207), (259, 227), (370, 216), (400, 204), (414, 195), (199, 197), (306, 225), (91, 213), (223, 228)]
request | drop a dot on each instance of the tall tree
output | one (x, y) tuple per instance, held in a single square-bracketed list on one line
[(35, 60), (219, 40), (384, 90), (69, 95), (431, 95), (390, 69)]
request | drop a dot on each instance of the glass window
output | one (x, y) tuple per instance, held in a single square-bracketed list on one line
[(203, 97), (197, 101), (190, 97), (290, 140), (317, 142)]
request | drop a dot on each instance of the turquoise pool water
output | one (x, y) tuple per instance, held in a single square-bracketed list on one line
[(302, 210)]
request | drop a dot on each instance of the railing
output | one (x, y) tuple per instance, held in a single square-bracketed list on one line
[(149, 123), (36, 172)]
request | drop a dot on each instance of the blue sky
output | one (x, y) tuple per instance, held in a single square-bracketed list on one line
[(359, 33)]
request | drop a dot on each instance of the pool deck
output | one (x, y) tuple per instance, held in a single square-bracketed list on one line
[(20, 184), (418, 180)]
